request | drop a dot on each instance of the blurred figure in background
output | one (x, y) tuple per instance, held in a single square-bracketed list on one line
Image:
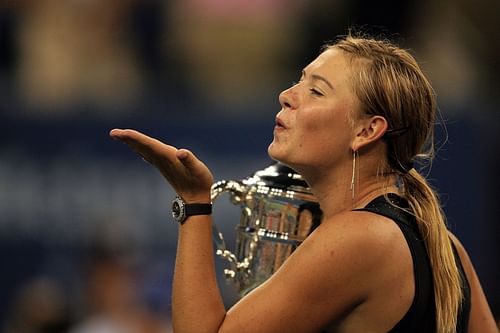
[(74, 52), (226, 47), (114, 303), (40, 307)]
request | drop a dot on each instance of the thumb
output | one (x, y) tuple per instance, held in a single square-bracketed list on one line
[(196, 178), (193, 165), (187, 158)]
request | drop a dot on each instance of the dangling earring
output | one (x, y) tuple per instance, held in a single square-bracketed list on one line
[(355, 155)]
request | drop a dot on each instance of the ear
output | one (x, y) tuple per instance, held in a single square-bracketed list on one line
[(368, 130)]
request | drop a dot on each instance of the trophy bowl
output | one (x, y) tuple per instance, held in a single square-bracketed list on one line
[(278, 211)]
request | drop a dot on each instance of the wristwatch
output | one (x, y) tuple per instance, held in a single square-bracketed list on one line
[(182, 210)]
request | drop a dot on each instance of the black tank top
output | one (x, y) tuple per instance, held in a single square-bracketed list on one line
[(421, 317)]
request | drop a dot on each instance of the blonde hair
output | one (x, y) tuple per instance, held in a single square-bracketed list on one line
[(389, 83)]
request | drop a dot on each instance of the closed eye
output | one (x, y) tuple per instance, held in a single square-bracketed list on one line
[(316, 92)]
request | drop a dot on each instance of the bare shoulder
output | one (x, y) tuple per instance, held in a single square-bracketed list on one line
[(364, 230), (464, 256), (356, 239), (370, 249), (481, 318), (362, 260), (464, 259), (359, 241), (338, 268), (358, 220), (371, 235), (372, 242)]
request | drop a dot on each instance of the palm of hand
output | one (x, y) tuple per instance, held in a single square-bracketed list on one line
[(188, 176)]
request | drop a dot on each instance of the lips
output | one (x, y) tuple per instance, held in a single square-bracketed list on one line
[(280, 123)]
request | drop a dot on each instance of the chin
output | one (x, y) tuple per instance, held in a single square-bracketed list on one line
[(274, 152), (279, 156)]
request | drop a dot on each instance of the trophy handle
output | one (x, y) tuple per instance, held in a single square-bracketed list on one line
[(237, 193), (236, 189)]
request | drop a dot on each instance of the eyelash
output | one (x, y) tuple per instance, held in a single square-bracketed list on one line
[(314, 91)]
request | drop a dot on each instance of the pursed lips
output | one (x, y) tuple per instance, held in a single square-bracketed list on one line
[(280, 125)]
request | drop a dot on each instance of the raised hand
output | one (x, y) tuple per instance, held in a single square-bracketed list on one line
[(189, 177)]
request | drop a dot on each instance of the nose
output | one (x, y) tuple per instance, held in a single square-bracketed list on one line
[(288, 98)]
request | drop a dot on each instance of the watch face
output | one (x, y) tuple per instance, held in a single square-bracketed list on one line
[(181, 210), (178, 209)]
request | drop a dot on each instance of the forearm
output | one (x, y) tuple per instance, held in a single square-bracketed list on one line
[(197, 303)]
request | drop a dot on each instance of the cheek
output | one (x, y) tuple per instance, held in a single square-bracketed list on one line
[(327, 133), (314, 137), (317, 128)]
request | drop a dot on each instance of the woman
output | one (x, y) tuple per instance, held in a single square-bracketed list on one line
[(382, 259)]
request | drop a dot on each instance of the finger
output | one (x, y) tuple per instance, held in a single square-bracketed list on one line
[(146, 146), (191, 163), (187, 158), (135, 140), (115, 133), (130, 135), (121, 134), (198, 178)]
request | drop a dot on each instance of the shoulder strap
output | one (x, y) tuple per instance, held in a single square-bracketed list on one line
[(421, 315), (391, 206)]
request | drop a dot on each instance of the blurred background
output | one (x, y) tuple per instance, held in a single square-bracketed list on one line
[(86, 239)]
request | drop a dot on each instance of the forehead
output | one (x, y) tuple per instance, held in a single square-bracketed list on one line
[(333, 64)]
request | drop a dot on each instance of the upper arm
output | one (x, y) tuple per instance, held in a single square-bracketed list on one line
[(322, 281), (481, 318)]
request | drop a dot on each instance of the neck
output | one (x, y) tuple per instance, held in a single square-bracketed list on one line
[(332, 188)]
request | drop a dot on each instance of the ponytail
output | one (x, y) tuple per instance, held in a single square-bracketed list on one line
[(425, 205)]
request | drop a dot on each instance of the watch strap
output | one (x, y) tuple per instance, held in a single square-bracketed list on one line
[(198, 209), (182, 210)]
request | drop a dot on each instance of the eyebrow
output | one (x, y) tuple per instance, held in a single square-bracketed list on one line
[(320, 78)]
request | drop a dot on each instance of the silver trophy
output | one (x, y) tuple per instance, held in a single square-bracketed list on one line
[(278, 211)]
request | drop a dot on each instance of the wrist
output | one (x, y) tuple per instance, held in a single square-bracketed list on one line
[(182, 209), (196, 198)]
